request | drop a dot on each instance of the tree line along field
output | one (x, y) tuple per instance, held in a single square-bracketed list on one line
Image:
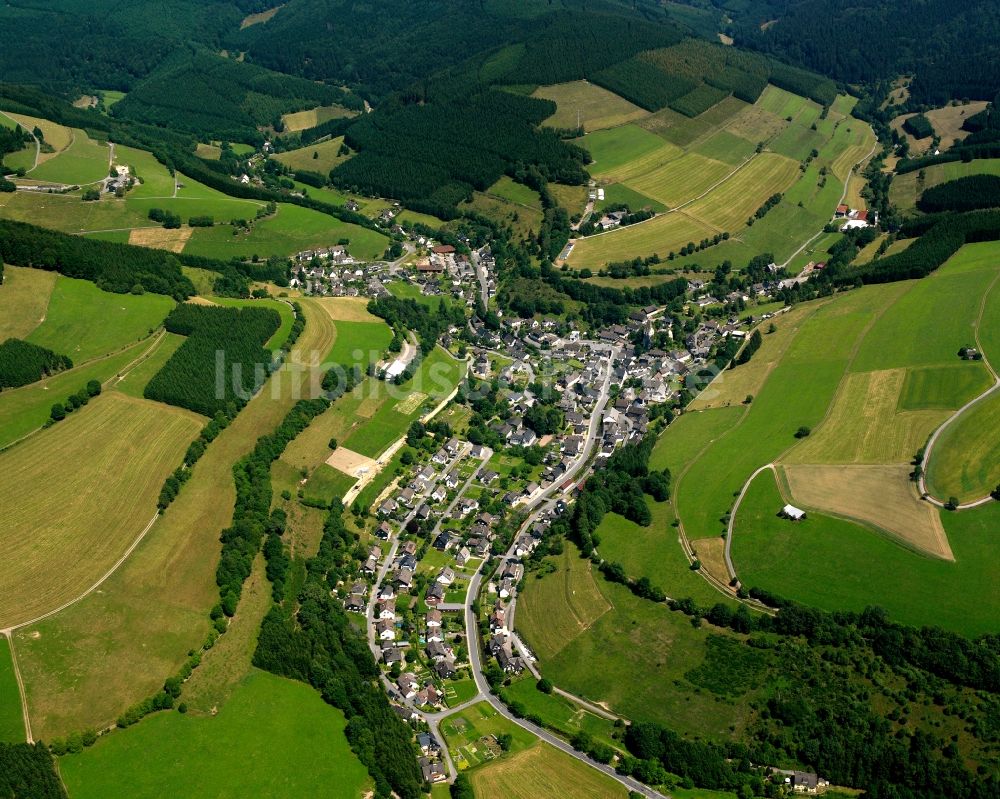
[(83, 666), (24, 410), (85, 506), (872, 372), (84, 322), (272, 737), (597, 660), (708, 162), (907, 188)]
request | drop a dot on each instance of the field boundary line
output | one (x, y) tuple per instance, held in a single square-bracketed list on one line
[(20, 686), (149, 525), (928, 449)]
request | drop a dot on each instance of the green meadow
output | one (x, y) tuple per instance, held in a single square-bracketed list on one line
[(273, 737), (11, 723), (84, 322), (835, 564), (797, 393), (292, 229), (83, 161)]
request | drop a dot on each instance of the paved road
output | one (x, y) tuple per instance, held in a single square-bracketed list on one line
[(484, 291)]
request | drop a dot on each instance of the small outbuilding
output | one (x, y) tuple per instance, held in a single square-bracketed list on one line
[(793, 513)]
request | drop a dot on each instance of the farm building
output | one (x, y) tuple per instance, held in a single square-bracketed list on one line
[(793, 513)]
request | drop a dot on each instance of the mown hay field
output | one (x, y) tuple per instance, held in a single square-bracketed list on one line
[(797, 392), (85, 665), (300, 120), (24, 410), (680, 180), (556, 609), (727, 207), (863, 425), (625, 151), (24, 297), (543, 770), (11, 721), (76, 496), (82, 161), (663, 234), (582, 103)]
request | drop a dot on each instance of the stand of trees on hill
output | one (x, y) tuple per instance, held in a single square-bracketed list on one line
[(27, 771), (919, 127), (941, 236), (317, 644), (111, 266), (963, 194), (189, 378), (433, 156), (407, 314), (22, 363)]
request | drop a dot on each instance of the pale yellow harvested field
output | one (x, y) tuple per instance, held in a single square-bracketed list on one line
[(347, 309), (582, 103), (350, 462), (543, 771), (864, 427), (301, 120), (263, 16), (947, 122), (24, 298), (159, 238), (882, 496), (77, 495), (642, 166), (729, 205)]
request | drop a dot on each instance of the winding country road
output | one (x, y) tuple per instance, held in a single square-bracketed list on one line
[(922, 482)]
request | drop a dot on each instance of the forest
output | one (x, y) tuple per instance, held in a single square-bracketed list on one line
[(191, 378), (435, 154), (27, 771), (222, 98), (952, 49), (22, 362), (963, 194)]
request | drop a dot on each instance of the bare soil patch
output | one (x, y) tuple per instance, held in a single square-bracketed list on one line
[(350, 462)]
